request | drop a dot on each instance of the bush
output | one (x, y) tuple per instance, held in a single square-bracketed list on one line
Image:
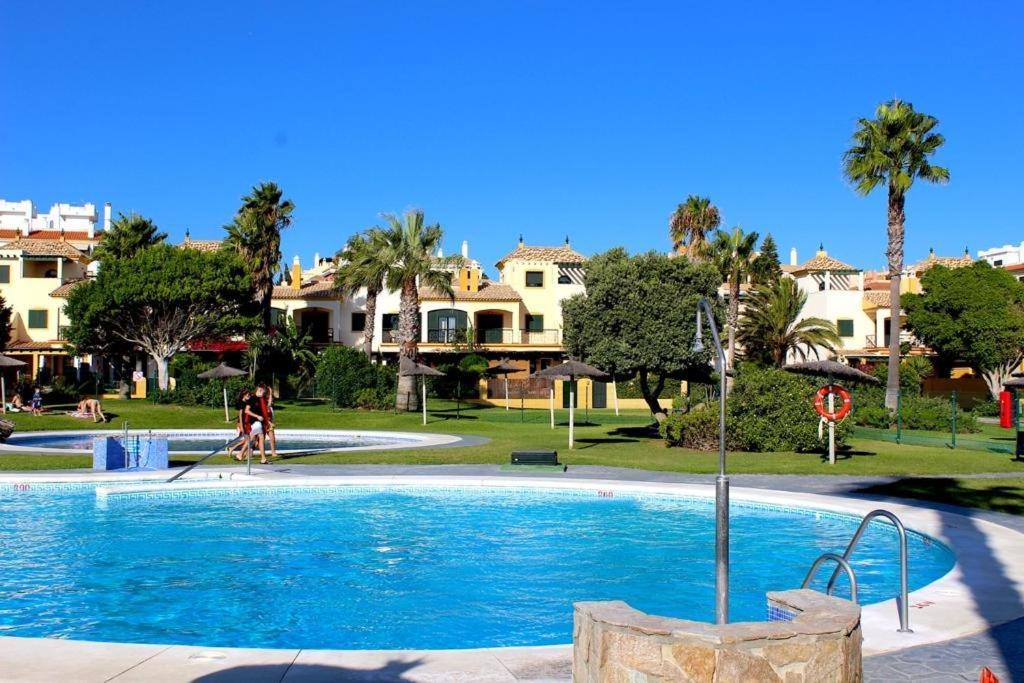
[(348, 379), (917, 412), (697, 429), (987, 408), (631, 388)]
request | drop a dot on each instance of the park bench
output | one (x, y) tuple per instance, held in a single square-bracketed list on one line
[(536, 458)]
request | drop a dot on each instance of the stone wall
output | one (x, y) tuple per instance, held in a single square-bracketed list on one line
[(819, 639)]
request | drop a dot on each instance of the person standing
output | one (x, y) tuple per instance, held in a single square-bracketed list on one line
[(254, 415), (37, 401), (266, 396)]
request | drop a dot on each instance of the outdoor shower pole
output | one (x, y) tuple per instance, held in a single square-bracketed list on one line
[(721, 481)]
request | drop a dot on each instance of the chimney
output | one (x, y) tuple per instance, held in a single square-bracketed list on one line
[(106, 217), (793, 261), (465, 249), (296, 273)]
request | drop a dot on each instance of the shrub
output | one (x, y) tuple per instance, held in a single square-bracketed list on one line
[(631, 388), (917, 412), (697, 429), (987, 408), (347, 378)]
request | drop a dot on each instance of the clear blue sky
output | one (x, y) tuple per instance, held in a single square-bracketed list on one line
[(542, 118)]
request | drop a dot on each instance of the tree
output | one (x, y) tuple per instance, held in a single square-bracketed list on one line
[(690, 223), (159, 300), (255, 234), (733, 255), (127, 236), (973, 314), (770, 328), (409, 247), (766, 269), (894, 149), (5, 324), (89, 332), (638, 318), (362, 265)]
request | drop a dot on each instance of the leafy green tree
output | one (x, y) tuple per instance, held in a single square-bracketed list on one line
[(362, 266), (159, 300), (89, 332), (255, 234), (894, 150), (771, 329), (5, 324), (409, 247), (973, 314), (733, 255), (689, 225), (767, 269), (127, 236), (638, 318)]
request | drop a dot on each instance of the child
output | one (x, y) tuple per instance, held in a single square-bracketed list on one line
[(37, 401)]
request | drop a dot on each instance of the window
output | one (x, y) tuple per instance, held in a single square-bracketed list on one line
[(564, 279), (5, 275), (534, 278), (37, 320), (534, 323), (389, 321), (358, 322), (845, 328), (997, 262)]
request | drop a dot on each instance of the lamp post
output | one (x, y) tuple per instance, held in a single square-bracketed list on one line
[(721, 481)]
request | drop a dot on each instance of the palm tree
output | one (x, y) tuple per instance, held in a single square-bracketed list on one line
[(362, 266), (770, 328), (690, 224), (127, 236), (894, 149), (733, 254), (409, 250), (255, 233), (294, 348)]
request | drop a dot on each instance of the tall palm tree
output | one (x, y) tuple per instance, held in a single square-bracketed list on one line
[(409, 248), (894, 149), (255, 233), (770, 328), (690, 224), (362, 265), (127, 236), (733, 254)]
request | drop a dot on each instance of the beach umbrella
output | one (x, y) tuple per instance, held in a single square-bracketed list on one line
[(831, 370), (503, 368), (410, 368), (6, 362), (223, 371), (571, 370)]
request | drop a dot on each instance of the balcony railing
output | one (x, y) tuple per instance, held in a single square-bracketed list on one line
[(484, 337), (871, 340)]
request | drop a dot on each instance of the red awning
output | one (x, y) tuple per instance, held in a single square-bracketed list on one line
[(218, 345)]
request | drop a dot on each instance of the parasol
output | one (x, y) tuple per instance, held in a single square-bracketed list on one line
[(407, 367), (6, 362), (223, 371), (572, 369), (503, 368)]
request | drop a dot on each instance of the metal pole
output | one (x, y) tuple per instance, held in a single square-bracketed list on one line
[(572, 400), (952, 408), (721, 482)]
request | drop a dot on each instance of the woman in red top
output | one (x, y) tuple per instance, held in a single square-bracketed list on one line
[(266, 398)]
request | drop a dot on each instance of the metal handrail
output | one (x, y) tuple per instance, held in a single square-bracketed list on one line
[(903, 602), (842, 564), (201, 460)]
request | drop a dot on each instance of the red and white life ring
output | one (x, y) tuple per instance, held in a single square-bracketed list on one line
[(821, 402)]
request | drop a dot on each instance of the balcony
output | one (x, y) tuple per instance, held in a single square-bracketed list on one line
[(871, 341), (484, 337)]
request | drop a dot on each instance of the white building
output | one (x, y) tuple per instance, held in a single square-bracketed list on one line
[(1006, 255), (76, 223)]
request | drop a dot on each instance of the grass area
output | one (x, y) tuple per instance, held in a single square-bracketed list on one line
[(999, 495), (619, 441)]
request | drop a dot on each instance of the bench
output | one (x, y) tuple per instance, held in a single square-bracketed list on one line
[(537, 458)]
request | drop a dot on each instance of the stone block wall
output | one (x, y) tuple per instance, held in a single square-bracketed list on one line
[(613, 643)]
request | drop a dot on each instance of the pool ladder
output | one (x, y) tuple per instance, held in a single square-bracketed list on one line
[(843, 564)]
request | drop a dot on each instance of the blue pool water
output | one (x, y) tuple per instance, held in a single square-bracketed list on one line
[(396, 568), (192, 443)]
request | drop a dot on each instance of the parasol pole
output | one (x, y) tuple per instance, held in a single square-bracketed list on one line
[(572, 400), (3, 394), (831, 425), (615, 390), (506, 392), (551, 402), (423, 383), (226, 417)]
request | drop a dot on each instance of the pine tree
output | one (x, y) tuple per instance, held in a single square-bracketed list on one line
[(767, 269)]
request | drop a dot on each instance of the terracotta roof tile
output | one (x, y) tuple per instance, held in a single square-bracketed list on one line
[(823, 261), (489, 291), (878, 299), (948, 261), (562, 254), (318, 288), (34, 247), (33, 345), (66, 288), (202, 245)]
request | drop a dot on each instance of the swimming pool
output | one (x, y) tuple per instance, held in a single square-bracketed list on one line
[(383, 567), (185, 441)]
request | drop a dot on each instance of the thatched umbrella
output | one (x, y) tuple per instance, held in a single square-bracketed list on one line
[(223, 372), (503, 368), (571, 369), (410, 368), (830, 369), (1015, 383), (6, 362)]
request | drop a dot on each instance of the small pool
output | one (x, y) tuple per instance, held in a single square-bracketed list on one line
[(384, 567), (206, 440)]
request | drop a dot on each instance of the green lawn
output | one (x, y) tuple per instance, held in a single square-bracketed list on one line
[(622, 441)]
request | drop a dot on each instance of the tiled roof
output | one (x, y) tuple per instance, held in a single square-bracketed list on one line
[(878, 299), (66, 288), (319, 288), (823, 261), (948, 261), (562, 254), (202, 245), (35, 247), (33, 345), (77, 235), (489, 291)]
